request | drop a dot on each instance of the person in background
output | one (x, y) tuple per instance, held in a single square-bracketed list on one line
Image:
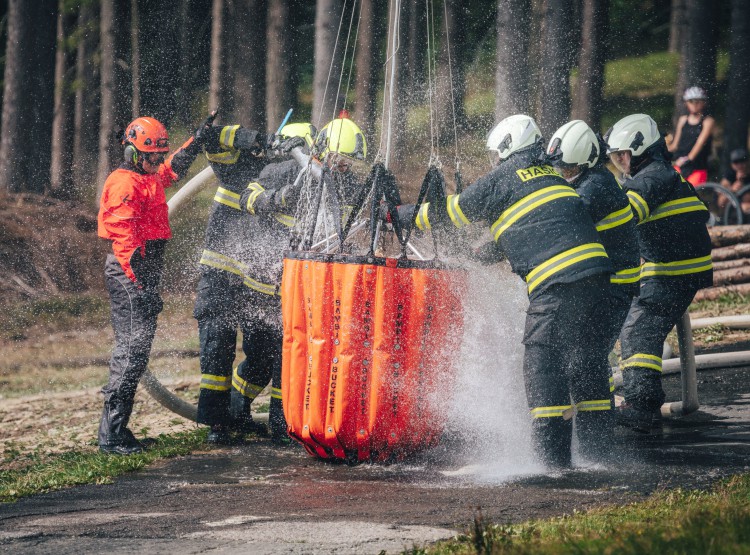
[(737, 177), (133, 216), (691, 145)]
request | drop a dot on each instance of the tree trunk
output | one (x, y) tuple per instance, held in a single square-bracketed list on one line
[(280, 46), (451, 85), (184, 48), (557, 61), (61, 178), (328, 61), (217, 58), (677, 27), (366, 88), (28, 98), (728, 264), (725, 235), (713, 293), (698, 55), (589, 97), (86, 104), (249, 67), (738, 108), (732, 275), (511, 70), (116, 103), (740, 250), (135, 57), (417, 39)]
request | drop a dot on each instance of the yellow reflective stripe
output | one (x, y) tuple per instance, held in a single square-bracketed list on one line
[(628, 275), (217, 260), (214, 382), (226, 137), (611, 384), (642, 359), (678, 267), (244, 387), (454, 211), (529, 203), (276, 393), (549, 412), (422, 221), (674, 207), (639, 205), (259, 286), (227, 157), (284, 219), (590, 406), (615, 219), (258, 190), (227, 198), (562, 261)]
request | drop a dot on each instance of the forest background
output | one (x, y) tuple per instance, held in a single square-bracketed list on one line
[(75, 72)]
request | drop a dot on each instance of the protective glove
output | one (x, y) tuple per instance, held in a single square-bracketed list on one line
[(289, 144), (206, 131), (488, 253)]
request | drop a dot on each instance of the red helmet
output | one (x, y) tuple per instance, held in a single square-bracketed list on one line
[(147, 135)]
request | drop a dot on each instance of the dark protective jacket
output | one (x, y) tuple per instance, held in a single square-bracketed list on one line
[(609, 207), (248, 247), (133, 208), (671, 229), (537, 218)]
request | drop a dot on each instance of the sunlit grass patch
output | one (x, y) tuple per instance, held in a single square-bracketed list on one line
[(75, 468), (677, 521)]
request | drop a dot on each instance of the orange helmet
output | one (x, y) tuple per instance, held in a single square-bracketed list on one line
[(147, 135)]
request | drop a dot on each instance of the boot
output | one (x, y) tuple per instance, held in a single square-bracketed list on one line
[(219, 435), (636, 419), (114, 435)]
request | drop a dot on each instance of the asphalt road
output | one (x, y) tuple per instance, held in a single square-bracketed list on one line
[(261, 499)]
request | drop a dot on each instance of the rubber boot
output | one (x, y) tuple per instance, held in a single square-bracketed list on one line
[(552, 440), (241, 419), (594, 432), (278, 423), (114, 435)]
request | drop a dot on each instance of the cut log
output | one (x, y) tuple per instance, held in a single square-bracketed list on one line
[(733, 275), (713, 293), (734, 252), (722, 236), (727, 264)]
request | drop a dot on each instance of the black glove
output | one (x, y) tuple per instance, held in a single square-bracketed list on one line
[(287, 145), (206, 131)]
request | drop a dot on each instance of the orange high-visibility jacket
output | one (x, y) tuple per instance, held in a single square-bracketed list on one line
[(133, 210)]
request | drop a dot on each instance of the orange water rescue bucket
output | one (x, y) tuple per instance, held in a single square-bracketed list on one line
[(368, 353)]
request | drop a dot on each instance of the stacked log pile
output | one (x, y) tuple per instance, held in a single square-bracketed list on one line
[(731, 256)]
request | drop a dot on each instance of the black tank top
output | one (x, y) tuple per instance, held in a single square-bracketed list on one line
[(688, 138)]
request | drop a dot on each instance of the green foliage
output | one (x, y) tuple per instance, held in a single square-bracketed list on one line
[(76, 468), (726, 305), (58, 312), (672, 522)]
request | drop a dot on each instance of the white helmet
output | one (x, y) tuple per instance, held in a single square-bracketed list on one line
[(512, 134), (635, 133), (574, 144), (694, 93)]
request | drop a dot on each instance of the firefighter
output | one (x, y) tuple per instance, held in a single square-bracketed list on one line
[(578, 155), (676, 251), (133, 216), (541, 225), (239, 287)]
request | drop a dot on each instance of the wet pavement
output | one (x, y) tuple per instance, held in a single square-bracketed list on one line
[(261, 499)]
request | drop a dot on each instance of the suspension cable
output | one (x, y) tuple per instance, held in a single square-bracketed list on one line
[(450, 85), (343, 61), (330, 68)]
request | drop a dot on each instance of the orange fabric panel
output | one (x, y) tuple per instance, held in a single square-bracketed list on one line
[(367, 356)]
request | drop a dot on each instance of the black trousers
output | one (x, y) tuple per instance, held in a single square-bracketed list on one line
[(566, 369), (224, 304), (653, 314), (133, 311)]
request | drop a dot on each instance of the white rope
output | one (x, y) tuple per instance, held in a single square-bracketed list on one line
[(396, 46), (343, 61), (431, 69), (450, 76), (330, 68)]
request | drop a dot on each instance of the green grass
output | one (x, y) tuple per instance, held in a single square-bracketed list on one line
[(726, 305), (55, 313), (672, 522), (77, 468)]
